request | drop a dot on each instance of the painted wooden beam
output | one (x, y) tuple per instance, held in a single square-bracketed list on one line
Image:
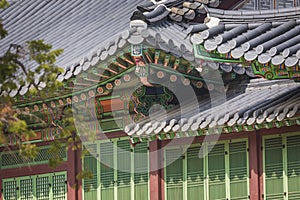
[(31, 170)]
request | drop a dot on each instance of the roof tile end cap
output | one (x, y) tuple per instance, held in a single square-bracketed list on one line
[(196, 39), (291, 61), (264, 58), (251, 55), (277, 60), (237, 53)]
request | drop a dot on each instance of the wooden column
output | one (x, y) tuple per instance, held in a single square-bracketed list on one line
[(1, 186), (78, 170), (260, 166), (71, 174), (156, 171), (255, 166)]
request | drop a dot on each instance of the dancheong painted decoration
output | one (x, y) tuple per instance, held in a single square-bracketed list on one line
[(173, 100)]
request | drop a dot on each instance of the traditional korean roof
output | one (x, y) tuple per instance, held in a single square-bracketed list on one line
[(266, 40), (91, 33), (269, 37), (79, 27), (259, 104), (176, 37)]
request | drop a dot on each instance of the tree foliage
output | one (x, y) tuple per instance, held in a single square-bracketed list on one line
[(33, 64), (30, 64)]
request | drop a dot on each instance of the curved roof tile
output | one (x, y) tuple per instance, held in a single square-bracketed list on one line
[(260, 102)]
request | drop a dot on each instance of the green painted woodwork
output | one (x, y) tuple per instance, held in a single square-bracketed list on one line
[(90, 164), (171, 71), (293, 167), (201, 53), (59, 188), (271, 72), (120, 171), (216, 172), (141, 177), (174, 174), (10, 191), (273, 168), (142, 102), (113, 124), (195, 174), (124, 175), (13, 159), (282, 166), (222, 174), (268, 71), (39, 187), (107, 175), (26, 188), (42, 187), (238, 162)]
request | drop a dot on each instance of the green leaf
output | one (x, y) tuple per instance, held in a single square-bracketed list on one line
[(3, 4)]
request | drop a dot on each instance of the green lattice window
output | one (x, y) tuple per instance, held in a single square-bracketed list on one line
[(13, 159), (26, 188), (10, 189), (42, 187), (238, 166), (195, 174), (174, 176), (39, 187), (120, 171), (282, 167), (222, 174)]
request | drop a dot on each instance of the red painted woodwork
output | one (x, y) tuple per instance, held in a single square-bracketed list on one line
[(112, 105), (104, 136), (207, 138), (37, 137), (72, 166), (254, 170), (260, 167), (71, 175), (229, 4), (31, 170), (156, 171), (78, 170), (282, 130), (1, 186)]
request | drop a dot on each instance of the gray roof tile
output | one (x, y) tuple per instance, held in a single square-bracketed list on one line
[(260, 102)]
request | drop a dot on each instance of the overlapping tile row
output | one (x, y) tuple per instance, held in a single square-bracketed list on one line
[(264, 36), (261, 102), (174, 38), (78, 27), (269, 4), (176, 10)]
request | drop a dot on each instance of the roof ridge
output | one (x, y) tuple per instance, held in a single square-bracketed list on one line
[(253, 16)]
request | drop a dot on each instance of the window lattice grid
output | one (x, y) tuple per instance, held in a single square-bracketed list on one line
[(26, 189), (10, 190), (59, 187), (44, 154), (14, 159), (42, 188)]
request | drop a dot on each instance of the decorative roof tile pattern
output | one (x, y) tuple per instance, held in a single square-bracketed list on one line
[(265, 36), (261, 102), (79, 27), (269, 4), (86, 32)]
